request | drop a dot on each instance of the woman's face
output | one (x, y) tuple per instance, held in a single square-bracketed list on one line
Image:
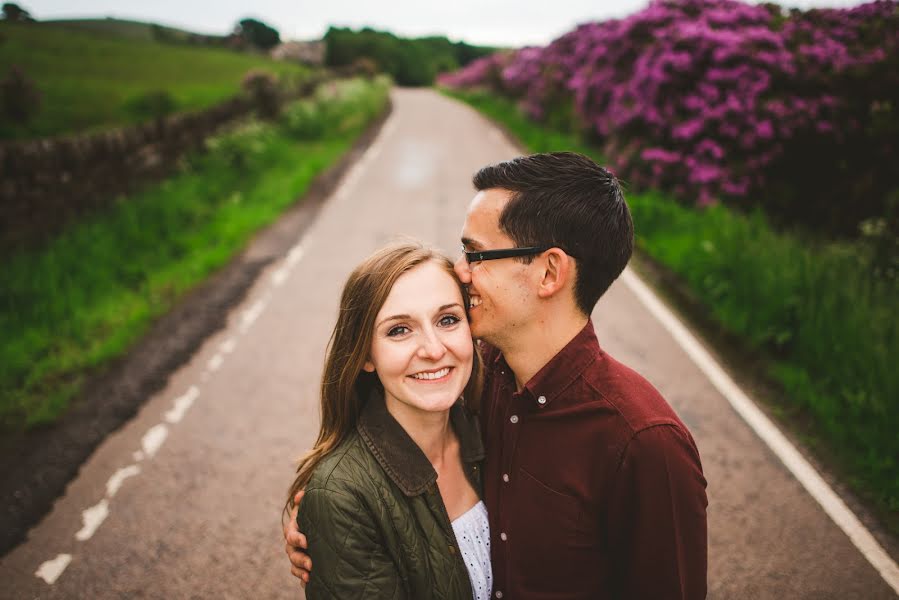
[(422, 349)]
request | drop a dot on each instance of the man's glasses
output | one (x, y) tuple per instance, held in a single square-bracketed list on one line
[(472, 257)]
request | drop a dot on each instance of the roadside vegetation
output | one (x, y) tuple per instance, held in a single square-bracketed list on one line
[(409, 61), (70, 307), (70, 80), (819, 311)]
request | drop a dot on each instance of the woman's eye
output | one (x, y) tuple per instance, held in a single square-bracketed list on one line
[(398, 330), (449, 320)]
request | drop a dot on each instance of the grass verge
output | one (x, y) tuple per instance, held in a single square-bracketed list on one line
[(824, 324), (90, 81), (84, 299)]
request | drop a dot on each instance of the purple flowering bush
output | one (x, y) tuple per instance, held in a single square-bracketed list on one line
[(719, 100)]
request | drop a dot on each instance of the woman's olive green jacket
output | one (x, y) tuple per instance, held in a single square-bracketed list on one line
[(374, 519)]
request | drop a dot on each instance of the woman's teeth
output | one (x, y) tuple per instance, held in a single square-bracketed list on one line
[(435, 375)]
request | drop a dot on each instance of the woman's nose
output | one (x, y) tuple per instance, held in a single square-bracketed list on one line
[(431, 347)]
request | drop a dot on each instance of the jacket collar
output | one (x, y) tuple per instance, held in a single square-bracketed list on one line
[(400, 457)]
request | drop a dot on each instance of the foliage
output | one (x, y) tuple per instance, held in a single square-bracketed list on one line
[(88, 79), (816, 310), (258, 34), (73, 306), (151, 105), (720, 100), (262, 87), (19, 97), (14, 12), (409, 61)]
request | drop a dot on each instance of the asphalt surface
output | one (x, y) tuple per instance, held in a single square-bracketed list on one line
[(184, 501)]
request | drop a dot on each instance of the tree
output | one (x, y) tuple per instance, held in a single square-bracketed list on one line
[(14, 12), (258, 34)]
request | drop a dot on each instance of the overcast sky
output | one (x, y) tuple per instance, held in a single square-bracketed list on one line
[(487, 22)]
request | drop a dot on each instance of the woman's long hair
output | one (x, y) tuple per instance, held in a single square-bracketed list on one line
[(345, 386)]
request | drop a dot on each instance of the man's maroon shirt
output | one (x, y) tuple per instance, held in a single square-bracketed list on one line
[(593, 485)]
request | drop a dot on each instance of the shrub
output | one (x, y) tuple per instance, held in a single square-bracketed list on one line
[(151, 105), (262, 87), (20, 97), (720, 100)]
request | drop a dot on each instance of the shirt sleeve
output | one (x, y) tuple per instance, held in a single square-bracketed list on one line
[(349, 558), (657, 517)]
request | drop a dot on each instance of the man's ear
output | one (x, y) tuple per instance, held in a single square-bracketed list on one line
[(557, 271), (368, 367)]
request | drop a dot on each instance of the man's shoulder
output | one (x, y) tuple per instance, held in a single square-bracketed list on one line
[(638, 403)]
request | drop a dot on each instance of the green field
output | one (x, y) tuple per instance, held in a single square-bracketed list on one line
[(813, 309), (69, 308), (90, 80), (135, 30)]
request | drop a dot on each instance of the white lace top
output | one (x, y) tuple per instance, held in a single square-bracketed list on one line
[(473, 535)]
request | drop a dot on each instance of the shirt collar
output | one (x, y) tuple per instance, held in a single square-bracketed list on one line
[(399, 456), (566, 366)]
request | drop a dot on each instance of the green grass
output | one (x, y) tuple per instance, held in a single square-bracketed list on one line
[(69, 308), (827, 327), (92, 81), (135, 30)]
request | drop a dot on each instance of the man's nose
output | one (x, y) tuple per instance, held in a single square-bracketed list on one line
[(462, 269)]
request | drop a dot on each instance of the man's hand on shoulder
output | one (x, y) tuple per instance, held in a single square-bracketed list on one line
[(295, 545)]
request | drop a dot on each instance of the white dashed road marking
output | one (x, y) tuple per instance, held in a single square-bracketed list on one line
[(52, 569), (119, 477), (92, 519)]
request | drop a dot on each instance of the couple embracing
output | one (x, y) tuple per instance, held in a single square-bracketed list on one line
[(476, 441)]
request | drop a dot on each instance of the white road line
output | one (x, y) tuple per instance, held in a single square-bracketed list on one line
[(295, 254), (153, 439), (92, 518), (768, 432), (52, 569), (251, 314), (118, 478), (182, 403), (279, 275), (215, 362)]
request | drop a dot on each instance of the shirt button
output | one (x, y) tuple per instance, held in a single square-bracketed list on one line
[(514, 418), (499, 594), (503, 536), (452, 549), (541, 400), (506, 477)]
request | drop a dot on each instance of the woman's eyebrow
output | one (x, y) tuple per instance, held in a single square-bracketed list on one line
[(393, 318), (401, 317)]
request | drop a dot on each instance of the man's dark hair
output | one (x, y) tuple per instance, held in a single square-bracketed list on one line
[(565, 200)]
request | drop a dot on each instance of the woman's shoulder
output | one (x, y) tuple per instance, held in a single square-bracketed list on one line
[(348, 468)]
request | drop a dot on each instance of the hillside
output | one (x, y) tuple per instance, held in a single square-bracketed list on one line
[(135, 30), (92, 80)]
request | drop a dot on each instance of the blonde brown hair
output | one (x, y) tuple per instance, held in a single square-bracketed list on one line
[(345, 386)]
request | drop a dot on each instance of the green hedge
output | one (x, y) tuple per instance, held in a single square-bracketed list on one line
[(827, 326)]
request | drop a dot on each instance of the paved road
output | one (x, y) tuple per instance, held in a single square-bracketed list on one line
[(184, 501)]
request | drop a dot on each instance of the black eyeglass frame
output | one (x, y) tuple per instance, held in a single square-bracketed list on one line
[(472, 257)]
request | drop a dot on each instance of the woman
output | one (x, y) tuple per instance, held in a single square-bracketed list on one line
[(391, 506)]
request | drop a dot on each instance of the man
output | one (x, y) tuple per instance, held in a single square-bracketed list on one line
[(593, 485)]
